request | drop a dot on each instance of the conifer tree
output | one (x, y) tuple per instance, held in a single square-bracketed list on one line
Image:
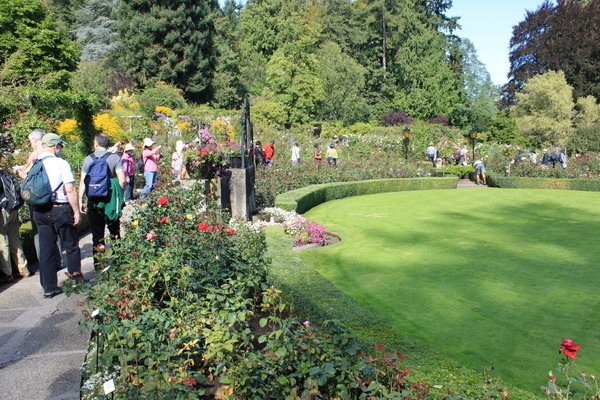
[(169, 41)]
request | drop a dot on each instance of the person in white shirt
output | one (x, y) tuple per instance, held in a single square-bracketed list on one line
[(59, 217), (295, 154), (431, 153)]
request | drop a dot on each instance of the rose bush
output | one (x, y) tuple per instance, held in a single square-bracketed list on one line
[(185, 312)]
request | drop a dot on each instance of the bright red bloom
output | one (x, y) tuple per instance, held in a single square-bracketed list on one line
[(204, 227), (162, 201), (569, 348), (204, 151), (164, 220), (231, 231)]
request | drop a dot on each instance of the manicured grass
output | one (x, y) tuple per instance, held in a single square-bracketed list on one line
[(492, 277)]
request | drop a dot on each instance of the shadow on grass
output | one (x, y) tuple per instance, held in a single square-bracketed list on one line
[(500, 286)]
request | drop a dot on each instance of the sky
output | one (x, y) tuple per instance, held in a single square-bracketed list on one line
[(488, 24)]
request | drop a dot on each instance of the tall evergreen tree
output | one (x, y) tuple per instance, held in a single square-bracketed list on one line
[(169, 41), (228, 87)]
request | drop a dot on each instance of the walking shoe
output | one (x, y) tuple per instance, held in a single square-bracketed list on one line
[(76, 276), (55, 292)]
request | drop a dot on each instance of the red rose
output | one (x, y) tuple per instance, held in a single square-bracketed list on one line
[(231, 231), (162, 201), (203, 227), (569, 348), (164, 220)]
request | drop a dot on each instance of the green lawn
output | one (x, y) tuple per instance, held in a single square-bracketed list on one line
[(493, 277)]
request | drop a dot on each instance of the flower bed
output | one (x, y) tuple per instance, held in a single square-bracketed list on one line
[(182, 310)]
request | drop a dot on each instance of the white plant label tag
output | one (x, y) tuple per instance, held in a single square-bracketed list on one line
[(106, 269), (109, 386), (95, 313)]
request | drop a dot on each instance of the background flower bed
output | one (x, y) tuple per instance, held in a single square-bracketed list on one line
[(186, 312)]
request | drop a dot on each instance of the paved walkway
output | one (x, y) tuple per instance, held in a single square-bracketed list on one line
[(469, 184), (42, 346)]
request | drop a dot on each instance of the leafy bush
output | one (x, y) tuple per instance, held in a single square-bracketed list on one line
[(161, 94), (304, 199), (458, 170), (185, 312), (395, 118), (375, 164), (589, 185), (439, 120)]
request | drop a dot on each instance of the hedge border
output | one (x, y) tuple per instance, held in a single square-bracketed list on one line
[(302, 200), (513, 182)]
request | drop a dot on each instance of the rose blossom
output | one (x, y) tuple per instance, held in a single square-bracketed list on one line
[(151, 235), (569, 348), (306, 323), (162, 201), (231, 231), (203, 227), (164, 220)]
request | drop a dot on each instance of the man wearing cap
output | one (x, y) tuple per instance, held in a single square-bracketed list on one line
[(57, 218), (95, 211), (150, 158)]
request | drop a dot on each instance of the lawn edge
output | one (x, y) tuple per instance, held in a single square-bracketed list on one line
[(315, 298)]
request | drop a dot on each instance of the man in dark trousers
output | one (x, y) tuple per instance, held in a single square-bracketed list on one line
[(57, 218), (95, 206)]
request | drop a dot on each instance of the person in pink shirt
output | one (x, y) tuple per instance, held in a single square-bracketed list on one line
[(128, 162), (150, 158)]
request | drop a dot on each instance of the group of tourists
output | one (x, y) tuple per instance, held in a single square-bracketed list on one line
[(56, 205), (265, 155)]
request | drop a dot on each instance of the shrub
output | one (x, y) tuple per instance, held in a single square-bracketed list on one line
[(304, 199), (588, 185), (161, 94), (395, 118), (440, 120), (185, 311)]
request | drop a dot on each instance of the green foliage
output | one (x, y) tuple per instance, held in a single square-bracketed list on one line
[(586, 138), (513, 182), (343, 85), (544, 109), (31, 43), (292, 77), (96, 30), (458, 170), (171, 42), (503, 129), (304, 199), (160, 95), (92, 77), (547, 39)]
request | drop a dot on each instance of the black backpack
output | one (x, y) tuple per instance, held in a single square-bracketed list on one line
[(11, 192)]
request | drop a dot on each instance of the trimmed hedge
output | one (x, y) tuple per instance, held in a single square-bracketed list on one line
[(302, 200), (509, 182)]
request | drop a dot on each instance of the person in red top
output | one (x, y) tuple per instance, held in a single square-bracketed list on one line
[(269, 151)]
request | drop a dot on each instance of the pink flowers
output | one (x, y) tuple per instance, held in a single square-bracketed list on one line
[(151, 235), (306, 324), (569, 348)]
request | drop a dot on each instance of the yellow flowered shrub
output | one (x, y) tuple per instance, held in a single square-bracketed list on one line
[(124, 101), (222, 126), (67, 126), (184, 126), (165, 110), (109, 124)]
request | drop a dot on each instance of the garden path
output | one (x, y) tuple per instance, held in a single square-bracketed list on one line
[(468, 184), (42, 347)]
